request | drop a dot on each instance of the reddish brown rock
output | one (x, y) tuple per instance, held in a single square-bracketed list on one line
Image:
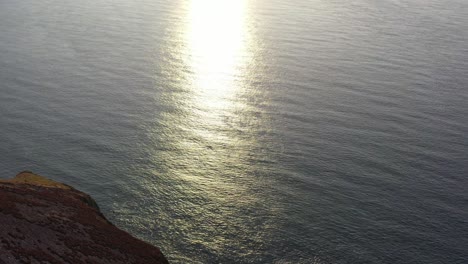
[(42, 221)]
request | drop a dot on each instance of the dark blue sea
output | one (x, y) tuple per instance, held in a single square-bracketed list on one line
[(249, 131)]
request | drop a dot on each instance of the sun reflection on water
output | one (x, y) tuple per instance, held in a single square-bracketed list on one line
[(215, 41), (215, 37), (211, 129), (209, 58)]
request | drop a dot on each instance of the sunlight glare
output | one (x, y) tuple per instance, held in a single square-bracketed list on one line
[(215, 36)]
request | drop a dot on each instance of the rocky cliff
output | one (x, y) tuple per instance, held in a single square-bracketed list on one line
[(43, 221)]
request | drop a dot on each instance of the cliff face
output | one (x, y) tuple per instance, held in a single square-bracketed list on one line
[(42, 221)]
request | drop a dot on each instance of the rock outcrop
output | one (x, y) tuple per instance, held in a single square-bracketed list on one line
[(43, 221)]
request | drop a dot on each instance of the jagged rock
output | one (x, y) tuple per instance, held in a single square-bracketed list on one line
[(43, 221)]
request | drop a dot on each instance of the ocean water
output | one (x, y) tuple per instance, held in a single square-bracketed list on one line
[(249, 131)]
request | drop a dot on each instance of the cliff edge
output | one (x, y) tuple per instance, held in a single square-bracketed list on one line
[(43, 221)]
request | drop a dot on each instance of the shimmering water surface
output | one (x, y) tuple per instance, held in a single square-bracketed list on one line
[(249, 131)]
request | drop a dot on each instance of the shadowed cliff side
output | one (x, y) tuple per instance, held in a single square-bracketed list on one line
[(43, 221)]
